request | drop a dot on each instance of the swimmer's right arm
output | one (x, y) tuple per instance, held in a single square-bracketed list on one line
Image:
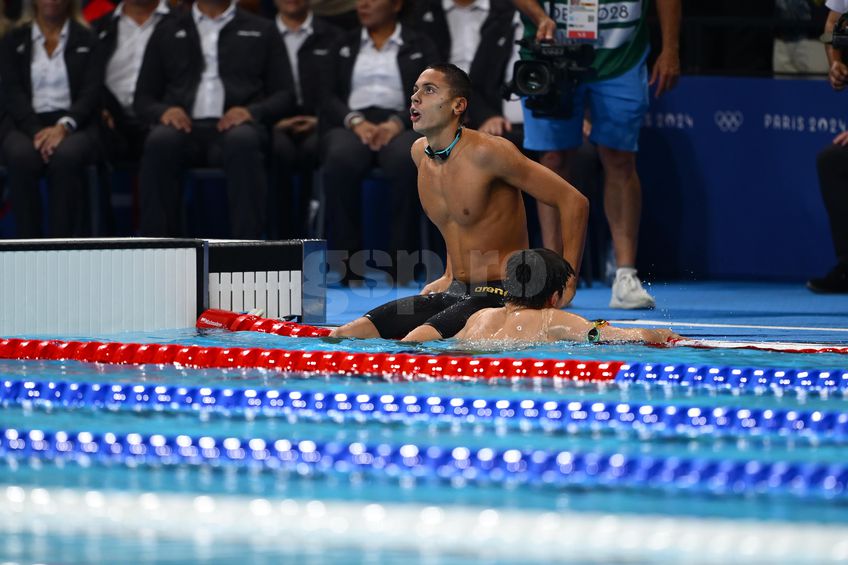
[(442, 283), (417, 150)]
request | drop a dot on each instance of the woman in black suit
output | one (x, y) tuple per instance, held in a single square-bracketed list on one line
[(366, 123), (52, 75)]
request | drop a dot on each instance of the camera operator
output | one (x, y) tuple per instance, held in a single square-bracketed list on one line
[(832, 162), (618, 99)]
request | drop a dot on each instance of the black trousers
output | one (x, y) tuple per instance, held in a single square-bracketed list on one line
[(239, 151), (833, 181), (124, 143), (294, 154), (65, 173), (346, 163)]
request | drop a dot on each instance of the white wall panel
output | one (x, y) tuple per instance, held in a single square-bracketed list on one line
[(278, 293), (82, 292)]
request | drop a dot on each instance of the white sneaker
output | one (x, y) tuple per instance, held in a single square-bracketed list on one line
[(627, 292)]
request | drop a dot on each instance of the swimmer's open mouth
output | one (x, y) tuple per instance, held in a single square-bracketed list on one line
[(414, 114)]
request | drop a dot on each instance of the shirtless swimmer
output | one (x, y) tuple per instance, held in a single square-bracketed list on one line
[(534, 280), (470, 186)]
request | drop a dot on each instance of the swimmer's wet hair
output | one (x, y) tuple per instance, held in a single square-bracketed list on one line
[(457, 79), (534, 275)]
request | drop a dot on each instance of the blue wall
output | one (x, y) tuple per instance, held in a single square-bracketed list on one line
[(729, 179)]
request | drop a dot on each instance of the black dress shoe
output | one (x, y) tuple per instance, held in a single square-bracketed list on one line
[(835, 282)]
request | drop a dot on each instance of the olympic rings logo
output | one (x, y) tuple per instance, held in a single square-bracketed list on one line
[(728, 122)]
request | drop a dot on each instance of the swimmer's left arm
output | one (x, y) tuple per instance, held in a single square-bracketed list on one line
[(442, 283), (565, 326), (571, 327), (507, 163)]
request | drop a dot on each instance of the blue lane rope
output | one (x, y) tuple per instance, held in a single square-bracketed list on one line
[(733, 378), (456, 465), (556, 416)]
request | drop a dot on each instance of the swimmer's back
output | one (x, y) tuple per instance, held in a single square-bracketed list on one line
[(547, 324), (499, 323)]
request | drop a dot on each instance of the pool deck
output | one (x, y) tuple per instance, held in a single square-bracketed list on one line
[(749, 311)]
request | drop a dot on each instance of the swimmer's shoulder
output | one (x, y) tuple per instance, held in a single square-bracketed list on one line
[(478, 323), (490, 150), (567, 326), (417, 150), (484, 315)]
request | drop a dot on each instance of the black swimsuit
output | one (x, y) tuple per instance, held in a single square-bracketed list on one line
[(446, 311)]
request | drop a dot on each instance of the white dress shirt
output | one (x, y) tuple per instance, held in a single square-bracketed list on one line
[(840, 6), (464, 24), (294, 40), (209, 100), (512, 108), (376, 75), (51, 89), (123, 68)]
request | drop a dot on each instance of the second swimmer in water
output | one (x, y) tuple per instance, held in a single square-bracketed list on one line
[(534, 283)]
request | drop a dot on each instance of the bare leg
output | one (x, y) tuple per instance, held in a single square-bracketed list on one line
[(558, 162), (423, 333), (360, 327), (622, 202)]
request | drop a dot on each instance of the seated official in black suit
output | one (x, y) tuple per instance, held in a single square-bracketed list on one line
[(308, 41), (5, 120), (478, 37), (367, 124), (213, 80), (124, 34), (52, 71)]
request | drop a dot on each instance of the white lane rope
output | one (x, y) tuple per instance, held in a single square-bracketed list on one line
[(667, 323), (523, 535)]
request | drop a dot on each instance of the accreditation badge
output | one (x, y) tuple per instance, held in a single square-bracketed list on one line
[(582, 20)]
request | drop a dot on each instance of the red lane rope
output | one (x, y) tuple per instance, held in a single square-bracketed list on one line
[(327, 362), (234, 322)]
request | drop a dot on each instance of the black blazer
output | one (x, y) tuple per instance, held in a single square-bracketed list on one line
[(5, 119), (414, 55), (314, 64), (252, 64), (83, 60), (488, 67), (106, 29)]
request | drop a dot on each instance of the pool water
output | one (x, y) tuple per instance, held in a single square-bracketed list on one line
[(42, 538)]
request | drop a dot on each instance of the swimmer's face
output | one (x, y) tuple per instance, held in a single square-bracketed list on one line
[(433, 105)]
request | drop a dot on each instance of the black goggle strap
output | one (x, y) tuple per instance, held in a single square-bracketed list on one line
[(443, 154), (594, 334)]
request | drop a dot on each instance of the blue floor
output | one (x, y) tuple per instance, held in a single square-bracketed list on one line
[(780, 311)]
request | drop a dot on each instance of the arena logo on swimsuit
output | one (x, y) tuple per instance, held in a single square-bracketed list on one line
[(491, 290)]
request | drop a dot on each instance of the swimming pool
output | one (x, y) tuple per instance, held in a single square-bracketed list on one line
[(168, 463)]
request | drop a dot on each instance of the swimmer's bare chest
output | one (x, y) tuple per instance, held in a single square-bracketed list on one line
[(474, 211), (462, 194)]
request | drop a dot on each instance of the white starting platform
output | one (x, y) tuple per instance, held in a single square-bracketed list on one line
[(84, 287)]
